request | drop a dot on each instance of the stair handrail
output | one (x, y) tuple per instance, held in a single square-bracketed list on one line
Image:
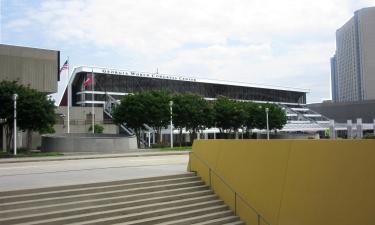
[(236, 194)]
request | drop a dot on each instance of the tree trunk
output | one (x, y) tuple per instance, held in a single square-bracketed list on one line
[(9, 137), (180, 137), (138, 138), (29, 139)]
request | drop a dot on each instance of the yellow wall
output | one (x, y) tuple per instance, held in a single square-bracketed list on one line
[(294, 182)]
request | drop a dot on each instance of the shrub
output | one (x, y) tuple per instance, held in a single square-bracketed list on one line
[(98, 129)]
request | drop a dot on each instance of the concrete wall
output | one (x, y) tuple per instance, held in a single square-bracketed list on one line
[(293, 182), (367, 40), (93, 143), (343, 111), (30, 66)]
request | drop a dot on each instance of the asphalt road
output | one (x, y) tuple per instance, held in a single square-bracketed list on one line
[(14, 176)]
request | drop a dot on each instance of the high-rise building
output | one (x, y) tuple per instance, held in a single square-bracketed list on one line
[(353, 65)]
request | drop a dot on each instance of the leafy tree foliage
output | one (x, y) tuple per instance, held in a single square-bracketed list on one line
[(229, 114), (192, 112), (131, 112), (158, 112), (35, 112)]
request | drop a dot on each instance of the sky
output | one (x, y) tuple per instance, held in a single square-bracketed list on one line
[(276, 42)]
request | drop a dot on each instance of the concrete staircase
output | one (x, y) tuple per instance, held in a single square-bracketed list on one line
[(174, 199)]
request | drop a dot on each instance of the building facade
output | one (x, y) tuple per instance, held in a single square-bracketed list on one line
[(118, 83), (353, 65), (34, 67)]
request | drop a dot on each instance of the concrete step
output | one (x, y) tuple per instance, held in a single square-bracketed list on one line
[(94, 185), (128, 214), (103, 208), (202, 218), (6, 207), (158, 217), (81, 197), (178, 199), (221, 220), (236, 223), (97, 189), (127, 201)]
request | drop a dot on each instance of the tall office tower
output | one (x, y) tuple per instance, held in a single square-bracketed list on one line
[(353, 65)]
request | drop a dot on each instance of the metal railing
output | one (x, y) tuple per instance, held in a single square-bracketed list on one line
[(237, 195)]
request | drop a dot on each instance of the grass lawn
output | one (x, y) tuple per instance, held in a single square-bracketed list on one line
[(29, 154), (176, 148)]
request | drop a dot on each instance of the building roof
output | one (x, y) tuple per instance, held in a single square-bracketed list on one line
[(103, 70)]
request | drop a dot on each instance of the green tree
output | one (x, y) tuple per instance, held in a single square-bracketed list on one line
[(250, 110), (190, 111), (35, 112), (131, 112), (149, 107), (276, 117), (229, 114), (158, 113)]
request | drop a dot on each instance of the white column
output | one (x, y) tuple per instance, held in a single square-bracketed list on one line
[(373, 126), (69, 100), (171, 111), (332, 129), (93, 99), (198, 135), (359, 128), (149, 139), (15, 96), (349, 128)]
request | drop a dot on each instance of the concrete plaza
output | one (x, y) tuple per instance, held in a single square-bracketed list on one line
[(24, 175)]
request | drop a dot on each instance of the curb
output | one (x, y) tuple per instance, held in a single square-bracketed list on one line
[(79, 157)]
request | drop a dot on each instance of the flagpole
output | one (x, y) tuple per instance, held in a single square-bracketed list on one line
[(92, 99), (69, 98)]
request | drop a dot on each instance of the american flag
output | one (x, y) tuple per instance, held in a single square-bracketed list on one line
[(88, 80), (65, 66)]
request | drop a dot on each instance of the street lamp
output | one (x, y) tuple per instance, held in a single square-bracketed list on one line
[(14, 97), (170, 108), (267, 123), (268, 130)]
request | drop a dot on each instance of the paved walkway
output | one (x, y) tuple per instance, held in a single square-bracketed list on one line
[(98, 168), (78, 156)]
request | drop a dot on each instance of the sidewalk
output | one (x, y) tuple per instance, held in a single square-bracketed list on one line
[(77, 156)]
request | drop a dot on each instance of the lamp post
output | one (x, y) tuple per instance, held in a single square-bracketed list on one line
[(14, 97), (170, 107), (268, 130)]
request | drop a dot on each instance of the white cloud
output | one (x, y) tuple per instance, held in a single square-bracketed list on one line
[(264, 41)]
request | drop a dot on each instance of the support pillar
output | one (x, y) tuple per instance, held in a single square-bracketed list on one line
[(359, 128), (349, 128), (332, 130)]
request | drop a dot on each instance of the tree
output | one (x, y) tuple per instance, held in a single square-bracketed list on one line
[(190, 111), (250, 110), (157, 113), (276, 117), (35, 112), (229, 115), (149, 107), (131, 112)]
